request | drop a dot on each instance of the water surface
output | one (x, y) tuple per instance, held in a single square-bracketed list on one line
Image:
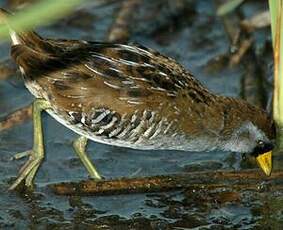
[(194, 38)]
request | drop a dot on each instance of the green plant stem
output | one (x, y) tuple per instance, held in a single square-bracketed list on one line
[(276, 12), (39, 13)]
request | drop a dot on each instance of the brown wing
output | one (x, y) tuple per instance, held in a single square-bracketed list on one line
[(132, 73), (120, 79)]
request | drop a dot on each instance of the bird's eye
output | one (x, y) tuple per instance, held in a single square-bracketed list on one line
[(260, 142)]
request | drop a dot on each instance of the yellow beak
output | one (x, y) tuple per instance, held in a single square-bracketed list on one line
[(265, 162)]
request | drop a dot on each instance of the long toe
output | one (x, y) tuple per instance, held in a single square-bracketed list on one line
[(26, 164), (28, 171), (21, 155)]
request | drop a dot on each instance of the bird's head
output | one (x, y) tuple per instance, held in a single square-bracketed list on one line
[(253, 132), (249, 138)]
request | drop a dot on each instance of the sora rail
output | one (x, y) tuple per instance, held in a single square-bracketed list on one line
[(131, 96)]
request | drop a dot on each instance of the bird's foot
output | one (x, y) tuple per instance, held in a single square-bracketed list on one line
[(36, 155), (21, 155), (97, 177), (28, 170)]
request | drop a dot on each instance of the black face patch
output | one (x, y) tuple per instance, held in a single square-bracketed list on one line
[(262, 148)]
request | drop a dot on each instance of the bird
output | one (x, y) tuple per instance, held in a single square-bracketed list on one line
[(132, 96)]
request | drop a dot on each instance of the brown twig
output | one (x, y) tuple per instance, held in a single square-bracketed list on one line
[(250, 179), (259, 20), (16, 118), (244, 46), (119, 31), (241, 42), (230, 23), (252, 82)]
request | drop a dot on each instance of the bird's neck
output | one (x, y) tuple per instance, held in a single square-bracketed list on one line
[(237, 112)]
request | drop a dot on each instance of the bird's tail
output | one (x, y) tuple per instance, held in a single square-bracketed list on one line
[(29, 38)]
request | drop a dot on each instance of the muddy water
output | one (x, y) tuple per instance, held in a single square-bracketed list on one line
[(193, 36)]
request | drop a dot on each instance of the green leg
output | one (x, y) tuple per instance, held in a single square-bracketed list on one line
[(36, 155), (80, 146)]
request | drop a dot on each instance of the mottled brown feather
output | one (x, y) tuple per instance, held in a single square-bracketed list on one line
[(79, 76)]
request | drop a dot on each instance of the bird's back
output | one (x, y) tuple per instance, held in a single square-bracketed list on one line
[(118, 92)]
